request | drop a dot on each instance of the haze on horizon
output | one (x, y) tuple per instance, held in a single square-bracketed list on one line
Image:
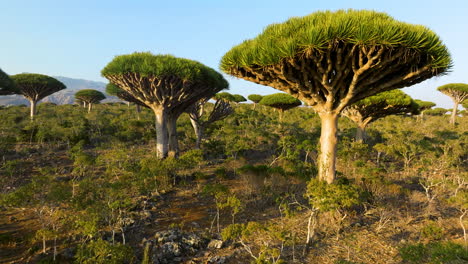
[(77, 39)]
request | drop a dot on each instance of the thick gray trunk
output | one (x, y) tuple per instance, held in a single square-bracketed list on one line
[(161, 132), (33, 108), (328, 143), (138, 110), (173, 140), (198, 129), (361, 133), (90, 106), (454, 113)]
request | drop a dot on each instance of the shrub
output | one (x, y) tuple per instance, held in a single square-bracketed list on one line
[(100, 251), (434, 253)]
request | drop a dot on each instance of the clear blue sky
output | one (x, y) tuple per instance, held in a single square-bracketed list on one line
[(77, 39)]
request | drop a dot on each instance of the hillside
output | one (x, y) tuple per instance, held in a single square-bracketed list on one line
[(87, 183), (62, 97)]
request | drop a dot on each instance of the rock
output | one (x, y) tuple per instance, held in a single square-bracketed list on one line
[(215, 243), (218, 260)]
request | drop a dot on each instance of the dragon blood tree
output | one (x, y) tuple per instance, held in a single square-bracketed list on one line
[(90, 97), (164, 83), (237, 98), (281, 102), (7, 86), (255, 98), (35, 87), (331, 60), (224, 96), (197, 113), (372, 108), (458, 92), (423, 106)]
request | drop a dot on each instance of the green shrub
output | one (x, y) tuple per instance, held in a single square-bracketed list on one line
[(434, 253), (432, 231), (100, 251)]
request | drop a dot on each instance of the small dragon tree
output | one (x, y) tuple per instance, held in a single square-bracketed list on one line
[(333, 59), (280, 101), (458, 92), (224, 96), (35, 87), (423, 106), (255, 98), (90, 97), (166, 84), (237, 98), (196, 111), (438, 111), (7, 86), (372, 108)]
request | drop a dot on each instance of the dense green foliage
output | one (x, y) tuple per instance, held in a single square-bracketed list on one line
[(280, 101), (255, 98), (452, 87), (394, 102), (7, 86), (434, 253), (238, 98), (424, 105), (37, 86), (150, 65), (301, 35), (90, 96), (438, 111), (224, 96)]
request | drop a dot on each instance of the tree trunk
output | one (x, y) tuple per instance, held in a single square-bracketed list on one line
[(454, 113), (161, 132), (33, 108), (173, 140), (84, 104), (43, 244), (280, 111), (138, 110), (361, 133), (328, 143), (90, 106), (198, 129)]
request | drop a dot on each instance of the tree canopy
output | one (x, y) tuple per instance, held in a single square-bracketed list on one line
[(90, 96), (237, 98), (333, 59), (224, 96), (7, 86), (372, 108), (424, 105), (171, 73), (438, 111), (35, 87), (356, 40), (255, 98), (280, 101)]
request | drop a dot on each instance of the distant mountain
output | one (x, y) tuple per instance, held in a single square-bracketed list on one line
[(66, 96)]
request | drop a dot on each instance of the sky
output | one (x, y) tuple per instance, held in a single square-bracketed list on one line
[(76, 39)]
